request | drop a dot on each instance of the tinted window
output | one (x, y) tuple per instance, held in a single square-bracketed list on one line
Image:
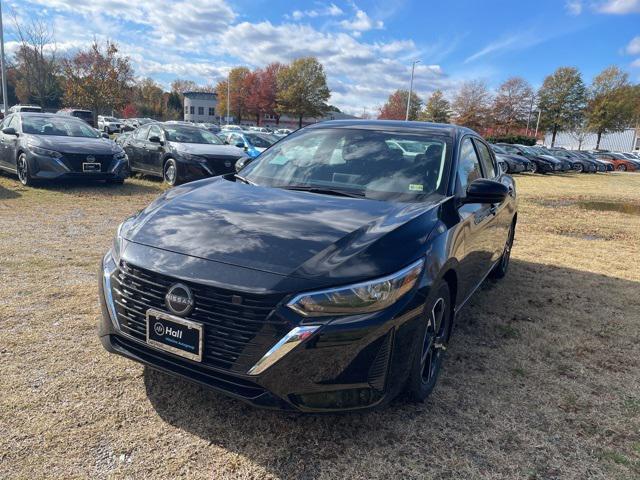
[(57, 126), (468, 165), (11, 122), (154, 131), (141, 133), (180, 134), (485, 157), (358, 161), (259, 141)]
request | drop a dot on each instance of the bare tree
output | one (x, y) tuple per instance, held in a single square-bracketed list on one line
[(37, 65)]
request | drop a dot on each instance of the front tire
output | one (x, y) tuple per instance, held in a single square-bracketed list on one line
[(534, 167), (24, 174), (170, 173), (500, 270), (433, 338)]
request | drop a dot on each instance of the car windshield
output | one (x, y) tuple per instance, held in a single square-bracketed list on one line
[(57, 126), (357, 162), (109, 119), (180, 134), (30, 109), (144, 121), (499, 149), (259, 141)]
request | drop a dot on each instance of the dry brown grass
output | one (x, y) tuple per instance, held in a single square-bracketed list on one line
[(542, 378)]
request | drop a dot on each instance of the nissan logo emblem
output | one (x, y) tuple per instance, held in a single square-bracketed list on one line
[(91, 158), (179, 299)]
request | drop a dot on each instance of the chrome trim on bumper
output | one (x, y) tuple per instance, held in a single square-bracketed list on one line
[(290, 341), (108, 268)]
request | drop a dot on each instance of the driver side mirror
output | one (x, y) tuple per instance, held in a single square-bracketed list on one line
[(10, 131), (105, 135), (155, 139), (483, 190)]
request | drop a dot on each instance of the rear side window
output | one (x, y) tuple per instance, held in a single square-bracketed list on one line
[(486, 160), (468, 165)]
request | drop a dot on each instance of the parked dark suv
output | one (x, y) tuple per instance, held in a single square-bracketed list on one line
[(324, 276), (86, 115)]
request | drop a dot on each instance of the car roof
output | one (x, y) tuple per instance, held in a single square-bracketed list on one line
[(395, 124)]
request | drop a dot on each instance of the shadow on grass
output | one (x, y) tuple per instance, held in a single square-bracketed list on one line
[(100, 188), (7, 194), (533, 317)]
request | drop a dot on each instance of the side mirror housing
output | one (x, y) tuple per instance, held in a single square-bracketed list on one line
[(105, 135), (242, 162), (155, 139), (483, 190), (9, 131), (240, 144)]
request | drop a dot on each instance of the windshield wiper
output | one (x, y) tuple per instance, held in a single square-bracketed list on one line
[(325, 191), (242, 179)]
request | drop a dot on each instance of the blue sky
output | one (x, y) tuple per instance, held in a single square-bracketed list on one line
[(366, 45)]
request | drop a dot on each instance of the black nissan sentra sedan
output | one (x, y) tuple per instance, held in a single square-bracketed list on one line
[(325, 275), (45, 146), (179, 153)]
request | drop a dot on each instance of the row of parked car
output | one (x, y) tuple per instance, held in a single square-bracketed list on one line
[(523, 158)]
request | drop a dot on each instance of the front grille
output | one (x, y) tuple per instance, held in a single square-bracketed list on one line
[(238, 328), (221, 164), (74, 161)]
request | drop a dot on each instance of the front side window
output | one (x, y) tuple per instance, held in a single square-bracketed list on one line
[(179, 134), (259, 141), (486, 160), (57, 126), (141, 133), (154, 131), (468, 165), (359, 162)]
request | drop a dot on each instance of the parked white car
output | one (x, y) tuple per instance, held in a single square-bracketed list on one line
[(109, 124), (25, 108)]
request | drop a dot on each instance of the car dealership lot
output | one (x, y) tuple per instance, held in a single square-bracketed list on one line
[(542, 379)]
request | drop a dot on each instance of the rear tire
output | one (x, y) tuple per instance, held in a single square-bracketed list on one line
[(170, 173), (621, 168), (534, 167), (24, 174), (433, 336), (500, 270)]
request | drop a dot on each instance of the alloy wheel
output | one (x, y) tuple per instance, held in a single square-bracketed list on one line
[(170, 173), (534, 167), (622, 168), (23, 170), (434, 340)]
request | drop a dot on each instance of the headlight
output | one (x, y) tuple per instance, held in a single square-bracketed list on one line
[(363, 297), (117, 243), (44, 152), (192, 158)]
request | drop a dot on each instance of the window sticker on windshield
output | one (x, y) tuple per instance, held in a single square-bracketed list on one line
[(279, 160), (416, 187)]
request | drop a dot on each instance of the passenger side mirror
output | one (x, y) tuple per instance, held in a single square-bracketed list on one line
[(483, 190), (240, 144), (9, 131), (155, 139), (105, 135)]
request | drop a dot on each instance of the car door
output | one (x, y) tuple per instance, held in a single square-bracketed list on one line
[(9, 143), (154, 150), (499, 223), (135, 148), (475, 222)]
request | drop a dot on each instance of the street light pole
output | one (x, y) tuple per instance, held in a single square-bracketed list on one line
[(5, 100), (537, 124), (413, 67), (228, 96)]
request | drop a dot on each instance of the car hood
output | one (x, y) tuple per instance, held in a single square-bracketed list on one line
[(96, 146), (285, 232), (207, 149), (515, 158), (548, 158)]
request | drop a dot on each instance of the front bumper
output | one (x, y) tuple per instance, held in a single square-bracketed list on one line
[(48, 168), (349, 363)]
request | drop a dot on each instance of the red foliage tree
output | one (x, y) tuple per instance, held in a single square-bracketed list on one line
[(129, 111), (261, 87), (396, 106)]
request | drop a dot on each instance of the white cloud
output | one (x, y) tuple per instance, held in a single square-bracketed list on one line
[(574, 7), (361, 22), (619, 7), (633, 48), (331, 10)]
